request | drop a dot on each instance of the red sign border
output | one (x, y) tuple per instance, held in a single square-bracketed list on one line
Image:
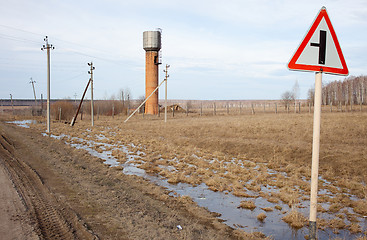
[(316, 68)]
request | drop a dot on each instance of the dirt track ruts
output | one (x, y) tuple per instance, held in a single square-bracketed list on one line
[(50, 219)]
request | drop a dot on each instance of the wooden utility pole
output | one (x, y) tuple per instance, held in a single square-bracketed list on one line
[(42, 103), (146, 99), (91, 92), (34, 91), (12, 105), (80, 105), (165, 109), (128, 104), (48, 47)]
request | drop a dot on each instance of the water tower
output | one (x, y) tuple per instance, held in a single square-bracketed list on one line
[(151, 45)]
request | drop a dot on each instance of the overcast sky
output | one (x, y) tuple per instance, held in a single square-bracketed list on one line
[(235, 49)]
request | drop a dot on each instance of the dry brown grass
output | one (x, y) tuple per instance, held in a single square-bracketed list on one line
[(261, 217), (243, 194), (335, 207), (68, 110), (321, 208), (277, 207), (295, 219), (355, 228), (360, 207), (267, 209), (247, 205)]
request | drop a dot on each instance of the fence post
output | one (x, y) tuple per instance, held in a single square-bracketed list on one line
[(214, 109), (252, 109), (276, 108), (201, 109), (295, 106)]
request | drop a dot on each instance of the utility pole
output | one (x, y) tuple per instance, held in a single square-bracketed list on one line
[(165, 109), (34, 91), (12, 105), (48, 47), (42, 103), (75, 95), (91, 91), (128, 104)]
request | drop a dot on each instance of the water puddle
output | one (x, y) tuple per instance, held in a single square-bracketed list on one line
[(23, 123), (224, 203)]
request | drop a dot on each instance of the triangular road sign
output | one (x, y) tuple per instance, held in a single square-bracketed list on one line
[(320, 50)]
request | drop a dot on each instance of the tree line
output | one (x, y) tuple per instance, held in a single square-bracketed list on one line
[(350, 91)]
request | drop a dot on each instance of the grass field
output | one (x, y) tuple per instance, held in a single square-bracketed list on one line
[(250, 156)]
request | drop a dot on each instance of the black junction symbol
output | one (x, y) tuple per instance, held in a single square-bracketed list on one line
[(322, 46)]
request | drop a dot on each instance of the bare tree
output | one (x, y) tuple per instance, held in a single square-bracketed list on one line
[(311, 96), (295, 90), (287, 98), (140, 101)]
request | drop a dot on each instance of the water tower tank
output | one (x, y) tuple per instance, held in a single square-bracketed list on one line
[(152, 40)]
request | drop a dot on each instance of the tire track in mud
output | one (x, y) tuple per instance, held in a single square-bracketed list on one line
[(49, 218)]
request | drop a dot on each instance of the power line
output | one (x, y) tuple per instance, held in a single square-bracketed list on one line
[(14, 38), (19, 39), (62, 64), (21, 30)]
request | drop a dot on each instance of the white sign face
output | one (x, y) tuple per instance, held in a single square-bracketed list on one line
[(309, 55), (320, 50)]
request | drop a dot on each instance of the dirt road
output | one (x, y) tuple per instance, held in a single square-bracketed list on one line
[(30, 211), (11, 208), (58, 192)]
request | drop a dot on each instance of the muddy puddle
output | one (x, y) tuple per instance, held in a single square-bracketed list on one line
[(224, 203), (23, 123)]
